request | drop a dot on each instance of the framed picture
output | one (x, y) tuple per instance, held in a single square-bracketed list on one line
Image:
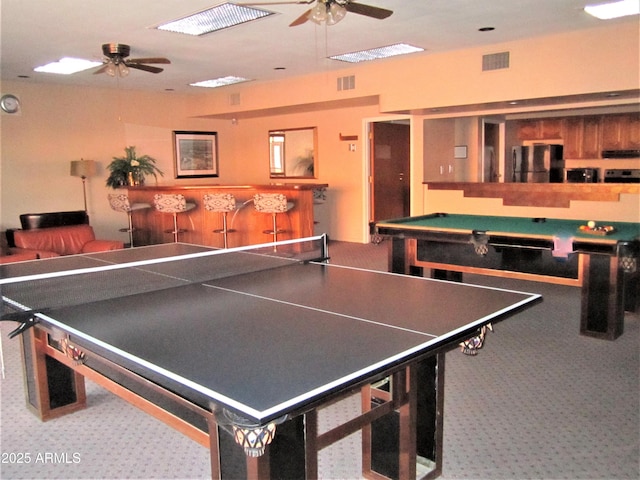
[(195, 154)]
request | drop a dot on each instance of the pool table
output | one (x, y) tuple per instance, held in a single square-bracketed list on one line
[(604, 264)]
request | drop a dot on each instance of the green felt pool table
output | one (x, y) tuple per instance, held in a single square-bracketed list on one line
[(604, 264)]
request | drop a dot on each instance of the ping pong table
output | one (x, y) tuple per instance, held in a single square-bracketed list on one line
[(239, 349)]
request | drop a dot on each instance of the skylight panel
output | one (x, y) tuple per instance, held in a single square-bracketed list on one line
[(67, 66), (219, 82), (215, 18), (377, 53), (607, 11)]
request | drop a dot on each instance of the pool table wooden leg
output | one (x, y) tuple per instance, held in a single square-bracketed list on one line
[(602, 312), (401, 255)]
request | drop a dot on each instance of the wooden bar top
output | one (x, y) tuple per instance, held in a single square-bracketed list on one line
[(268, 186)]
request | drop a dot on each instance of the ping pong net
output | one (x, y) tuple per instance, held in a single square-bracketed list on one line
[(29, 288)]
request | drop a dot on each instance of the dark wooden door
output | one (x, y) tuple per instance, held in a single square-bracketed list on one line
[(390, 183)]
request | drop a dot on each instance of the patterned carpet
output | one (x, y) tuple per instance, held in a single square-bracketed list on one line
[(538, 402)]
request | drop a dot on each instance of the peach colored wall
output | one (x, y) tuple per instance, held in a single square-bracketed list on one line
[(595, 60), (59, 124)]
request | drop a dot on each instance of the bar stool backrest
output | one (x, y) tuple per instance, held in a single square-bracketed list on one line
[(170, 203), (219, 202), (270, 202)]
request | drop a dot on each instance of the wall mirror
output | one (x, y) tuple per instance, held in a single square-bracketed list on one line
[(292, 152)]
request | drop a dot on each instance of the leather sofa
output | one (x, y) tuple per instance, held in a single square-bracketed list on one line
[(45, 235)]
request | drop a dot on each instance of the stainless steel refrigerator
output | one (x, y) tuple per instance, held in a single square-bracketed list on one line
[(537, 164)]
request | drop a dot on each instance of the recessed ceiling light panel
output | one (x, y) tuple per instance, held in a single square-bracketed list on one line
[(607, 11), (219, 82), (215, 18), (67, 66), (377, 53)]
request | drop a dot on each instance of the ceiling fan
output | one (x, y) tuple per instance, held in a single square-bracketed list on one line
[(116, 62), (331, 11)]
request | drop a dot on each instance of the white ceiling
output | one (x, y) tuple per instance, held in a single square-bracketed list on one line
[(35, 32)]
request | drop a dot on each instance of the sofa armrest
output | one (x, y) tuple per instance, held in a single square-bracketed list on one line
[(32, 252), (102, 246)]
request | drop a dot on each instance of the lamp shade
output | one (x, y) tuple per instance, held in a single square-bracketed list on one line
[(83, 168)]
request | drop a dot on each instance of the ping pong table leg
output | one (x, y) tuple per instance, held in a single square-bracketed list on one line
[(214, 450), (53, 389), (407, 443)]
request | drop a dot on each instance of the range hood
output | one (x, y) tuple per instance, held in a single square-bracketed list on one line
[(621, 154)]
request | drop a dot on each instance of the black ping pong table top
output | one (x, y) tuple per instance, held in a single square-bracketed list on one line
[(264, 343)]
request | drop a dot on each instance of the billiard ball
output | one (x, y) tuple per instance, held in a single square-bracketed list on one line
[(591, 224)]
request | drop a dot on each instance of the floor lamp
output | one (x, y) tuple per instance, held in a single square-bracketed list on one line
[(83, 169)]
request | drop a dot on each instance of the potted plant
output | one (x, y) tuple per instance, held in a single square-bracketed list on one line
[(131, 169)]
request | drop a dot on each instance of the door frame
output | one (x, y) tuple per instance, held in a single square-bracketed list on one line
[(367, 161), (500, 149)]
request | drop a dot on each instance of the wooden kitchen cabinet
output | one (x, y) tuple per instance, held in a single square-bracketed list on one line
[(540, 129), (591, 137), (621, 132), (581, 137)]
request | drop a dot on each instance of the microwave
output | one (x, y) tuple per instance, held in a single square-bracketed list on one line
[(581, 175)]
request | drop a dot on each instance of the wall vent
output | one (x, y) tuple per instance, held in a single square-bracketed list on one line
[(346, 83), (234, 99), (495, 61)]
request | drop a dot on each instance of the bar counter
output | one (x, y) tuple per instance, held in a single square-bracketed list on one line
[(150, 226), (556, 195)]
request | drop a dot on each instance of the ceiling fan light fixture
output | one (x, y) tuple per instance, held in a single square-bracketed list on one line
[(318, 14), (123, 70), (329, 12), (335, 13), (111, 69), (213, 19)]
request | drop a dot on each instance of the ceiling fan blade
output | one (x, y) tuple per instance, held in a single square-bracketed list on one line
[(301, 19), (368, 10), (146, 68), (101, 69), (149, 60), (291, 2)]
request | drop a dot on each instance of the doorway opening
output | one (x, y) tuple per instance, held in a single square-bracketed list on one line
[(493, 147)]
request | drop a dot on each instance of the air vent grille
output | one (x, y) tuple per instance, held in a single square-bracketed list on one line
[(495, 61), (346, 83)]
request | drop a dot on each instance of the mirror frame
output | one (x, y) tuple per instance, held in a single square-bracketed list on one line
[(281, 158)]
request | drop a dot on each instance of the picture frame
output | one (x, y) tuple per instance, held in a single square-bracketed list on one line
[(195, 154)]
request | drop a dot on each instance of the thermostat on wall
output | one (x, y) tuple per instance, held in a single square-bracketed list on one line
[(460, 151)]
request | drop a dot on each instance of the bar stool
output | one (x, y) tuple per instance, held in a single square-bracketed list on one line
[(120, 203), (174, 204), (272, 203), (221, 203)]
